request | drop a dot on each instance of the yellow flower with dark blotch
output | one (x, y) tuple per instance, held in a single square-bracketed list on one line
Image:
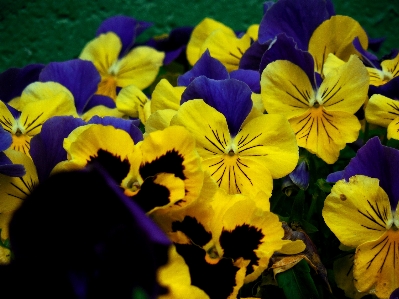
[(221, 41), (323, 119), (383, 111), (264, 148), (336, 36), (169, 175), (111, 148), (175, 276), (13, 190), (39, 101), (359, 213), (138, 67)]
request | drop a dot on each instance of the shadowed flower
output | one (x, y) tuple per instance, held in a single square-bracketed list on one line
[(85, 239)]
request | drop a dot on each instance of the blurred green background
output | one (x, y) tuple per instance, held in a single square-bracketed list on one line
[(47, 30)]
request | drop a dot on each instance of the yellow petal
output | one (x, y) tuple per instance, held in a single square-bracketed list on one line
[(175, 276), (253, 31), (331, 63), (139, 67), (13, 190), (376, 265), (226, 47), (131, 100), (165, 96), (271, 137), (391, 67), (200, 34), (357, 211), (159, 120), (345, 88), (381, 110), (103, 51), (325, 133), (336, 36), (207, 125), (286, 89)]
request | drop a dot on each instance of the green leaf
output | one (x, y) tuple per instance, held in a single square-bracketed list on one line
[(297, 282)]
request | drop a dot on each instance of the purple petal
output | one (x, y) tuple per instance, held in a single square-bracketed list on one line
[(368, 58), (9, 169), (124, 27), (97, 240), (124, 124), (297, 19), (80, 77), (389, 89), (230, 97), (377, 161), (250, 77), (46, 148), (252, 57), (14, 80), (5, 139), (99, 100), (285, 48), (206, 66), (395, 294), (14, 112), (267, 5), (300, 175), (335, 176), (375, 44), (142, 26)]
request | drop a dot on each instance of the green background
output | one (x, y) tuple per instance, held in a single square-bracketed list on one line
[(45, 31)]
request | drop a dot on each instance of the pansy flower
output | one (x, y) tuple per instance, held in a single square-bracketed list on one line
[(6, 166), (230, 239), (322, 116), (242, 153), (221, 41), (39, 101), (362, 211), (117, 62)]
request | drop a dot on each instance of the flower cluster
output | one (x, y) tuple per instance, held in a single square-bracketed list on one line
[(206, 163)]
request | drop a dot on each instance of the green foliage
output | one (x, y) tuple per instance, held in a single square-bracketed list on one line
[(297, 283)]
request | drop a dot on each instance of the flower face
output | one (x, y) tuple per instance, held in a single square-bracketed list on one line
[(322, 119), (362, 211)]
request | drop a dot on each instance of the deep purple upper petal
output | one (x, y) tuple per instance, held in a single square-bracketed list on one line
[(14, 80), (123, 26), (285, 48), (10, 169), (377, 161), (80, 77), (368, 58), (205, 66), (252, 57), (130, 126), (297, 19), (230, 97), (250, 77), (46, 148)]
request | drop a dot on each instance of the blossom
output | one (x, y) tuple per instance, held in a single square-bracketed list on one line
[(221, 41), (362, 211), (242, 152), (321, 116), (118, 64)]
